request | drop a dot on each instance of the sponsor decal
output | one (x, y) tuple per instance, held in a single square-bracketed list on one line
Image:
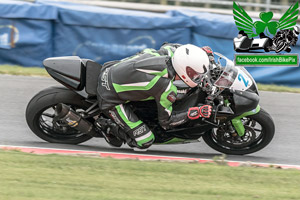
[(172, 97), (139, 131), (72, 123), (291, 60), (194, 113), (104, 79)]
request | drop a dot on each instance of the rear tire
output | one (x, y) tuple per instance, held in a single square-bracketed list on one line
[(48, 99), (268, 131)]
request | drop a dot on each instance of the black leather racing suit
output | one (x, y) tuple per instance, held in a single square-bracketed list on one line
[(145, 76)]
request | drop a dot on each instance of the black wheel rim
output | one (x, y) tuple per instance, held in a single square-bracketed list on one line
[(254, 135)]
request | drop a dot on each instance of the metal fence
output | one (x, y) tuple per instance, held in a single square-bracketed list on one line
[(216, 6)]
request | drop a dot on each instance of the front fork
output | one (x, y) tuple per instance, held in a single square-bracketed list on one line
[(238, 124)]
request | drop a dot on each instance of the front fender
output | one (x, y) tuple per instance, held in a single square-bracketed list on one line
[(238, 124), (244, 101)]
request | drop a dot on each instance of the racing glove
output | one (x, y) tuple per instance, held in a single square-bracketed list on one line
[(196, 112)]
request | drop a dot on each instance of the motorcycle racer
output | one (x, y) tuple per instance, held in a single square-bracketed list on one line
[(145, 76), (284, 38)]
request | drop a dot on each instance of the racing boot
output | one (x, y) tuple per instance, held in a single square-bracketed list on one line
[(111, 132), (133, 144)]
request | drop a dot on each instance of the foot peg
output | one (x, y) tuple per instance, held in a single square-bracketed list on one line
[(110, 132)]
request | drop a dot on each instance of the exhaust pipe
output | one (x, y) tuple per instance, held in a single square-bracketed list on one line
[(73, 119)]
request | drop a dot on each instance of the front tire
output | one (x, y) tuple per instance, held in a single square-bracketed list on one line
[(267, 132), (40, 112)]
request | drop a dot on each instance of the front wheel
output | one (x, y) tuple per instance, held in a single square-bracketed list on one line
[(259, 131), (40, 114)]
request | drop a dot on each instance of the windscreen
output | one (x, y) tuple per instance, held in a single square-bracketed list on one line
[(228, 76)]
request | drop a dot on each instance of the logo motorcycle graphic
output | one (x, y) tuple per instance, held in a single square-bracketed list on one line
[(273, 35)]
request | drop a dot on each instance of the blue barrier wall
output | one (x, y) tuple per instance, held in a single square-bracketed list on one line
[(105, 34), (31, 32), (26, 33)]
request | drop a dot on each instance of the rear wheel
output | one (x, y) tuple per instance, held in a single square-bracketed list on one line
[(40, 114), (259, 131)]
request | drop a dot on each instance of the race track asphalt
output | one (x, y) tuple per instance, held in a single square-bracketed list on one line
[(16, 91)]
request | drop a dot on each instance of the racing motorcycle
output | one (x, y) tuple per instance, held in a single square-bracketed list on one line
[(238, 125), (283, 40)]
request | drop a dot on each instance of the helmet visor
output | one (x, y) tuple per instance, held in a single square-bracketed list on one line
[(195, 76)]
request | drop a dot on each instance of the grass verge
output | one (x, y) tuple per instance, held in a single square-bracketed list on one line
[(277, 88), (26, 71), (29, 176), (38, 71)]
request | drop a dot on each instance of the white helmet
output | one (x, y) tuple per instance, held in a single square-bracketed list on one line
[(190, 63)]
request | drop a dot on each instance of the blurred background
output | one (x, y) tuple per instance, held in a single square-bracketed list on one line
[(31, 31), (277, 6)]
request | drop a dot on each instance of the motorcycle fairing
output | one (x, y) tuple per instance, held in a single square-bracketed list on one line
[(253, 87), (244, 101), (182, 135), (93, 71), (242, 81), (75, 73), (67, 70)]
